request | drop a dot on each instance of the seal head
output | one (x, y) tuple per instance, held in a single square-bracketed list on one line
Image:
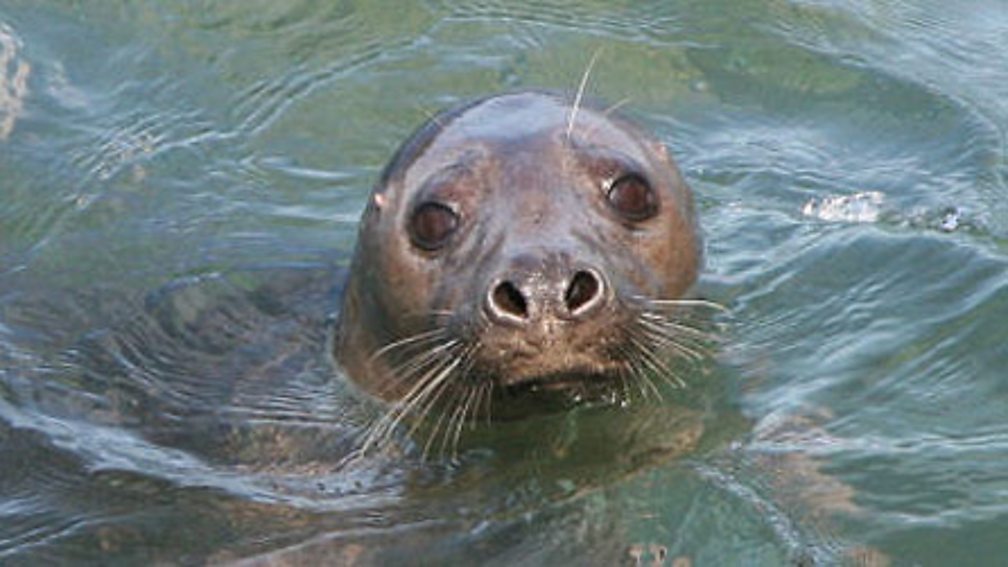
[(507, 247)]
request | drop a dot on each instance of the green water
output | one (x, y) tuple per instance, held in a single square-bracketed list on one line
[(179, 189)]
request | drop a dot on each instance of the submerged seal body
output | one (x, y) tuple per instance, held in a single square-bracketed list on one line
[(517, 242)]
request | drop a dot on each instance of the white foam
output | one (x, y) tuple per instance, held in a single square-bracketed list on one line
[(863, 207)]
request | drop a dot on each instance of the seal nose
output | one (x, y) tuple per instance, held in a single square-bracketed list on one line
[(525, 296), (583, 292), (508, 302)]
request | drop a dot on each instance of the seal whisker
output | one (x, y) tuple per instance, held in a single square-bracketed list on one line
[(483, 404), (606, 112), (686, 302), (645, 384), (657, 364), (477, 400), (672, 324), (421, 390), (644, 376), (427, 398), (434, 397), (642, 367), (455, 423), (650, 342), (682, 334), (488, 404), (433, 433), (580, 93), (484, 384), (449, 425), (638, 365), (613, 107), (624, 385), (684, 353), (390, 419), (663, 325), (636, 374), (672, 342), (409, 367), (421, 338), (460, 423)]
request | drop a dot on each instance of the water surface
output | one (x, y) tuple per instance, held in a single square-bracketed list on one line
[(179, 189)]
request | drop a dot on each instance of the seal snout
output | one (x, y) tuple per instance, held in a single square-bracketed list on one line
[(545, 292), (548, 318)]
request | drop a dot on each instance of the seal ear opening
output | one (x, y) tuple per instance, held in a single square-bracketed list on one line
[(659, 149)]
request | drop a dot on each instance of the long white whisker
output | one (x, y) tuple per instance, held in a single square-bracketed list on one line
[(656, 363), (432, 434), (408, 402), (449, 426), (433, 400), (613, 107), (488, 405), (666, 373), (426, 336), (671, 343), (684, 335), (580, 93), (411, 366), (670, 329), (484, 389), (624, 385), (460, 423), (427, 397), (687, 303), (641, 374)]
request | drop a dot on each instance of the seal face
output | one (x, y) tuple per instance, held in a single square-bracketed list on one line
[(516, 242)]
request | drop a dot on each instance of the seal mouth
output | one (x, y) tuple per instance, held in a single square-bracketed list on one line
[(551, 367), (560, 380), (542, 377), (567, 388)]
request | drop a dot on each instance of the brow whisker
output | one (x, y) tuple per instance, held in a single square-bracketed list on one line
[(580, 92)]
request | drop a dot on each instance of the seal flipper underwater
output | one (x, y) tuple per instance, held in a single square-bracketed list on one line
[(507, 247)]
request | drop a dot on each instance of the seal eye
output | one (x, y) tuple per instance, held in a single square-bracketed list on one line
[(631, 195), (432, 225)]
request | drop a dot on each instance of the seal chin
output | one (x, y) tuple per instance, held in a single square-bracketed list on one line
[(556, 376)]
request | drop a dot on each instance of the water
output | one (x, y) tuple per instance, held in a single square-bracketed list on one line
[(180, 185)]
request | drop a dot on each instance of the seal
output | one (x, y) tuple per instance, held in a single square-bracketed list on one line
[(519, 242)]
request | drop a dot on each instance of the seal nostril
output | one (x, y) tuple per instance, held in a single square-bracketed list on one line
[(508, 299), (582, 291)]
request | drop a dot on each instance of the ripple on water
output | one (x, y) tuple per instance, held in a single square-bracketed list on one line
[(944, 51), (887, 334), (158, 403)]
